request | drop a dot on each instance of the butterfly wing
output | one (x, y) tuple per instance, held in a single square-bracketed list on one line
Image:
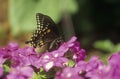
[(46, 33)]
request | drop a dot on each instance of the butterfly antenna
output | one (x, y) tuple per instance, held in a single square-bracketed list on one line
[(26, 42)]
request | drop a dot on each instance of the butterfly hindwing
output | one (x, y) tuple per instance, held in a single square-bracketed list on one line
[(46, 33)]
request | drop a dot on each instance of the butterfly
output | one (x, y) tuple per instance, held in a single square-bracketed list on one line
[(46, 33)]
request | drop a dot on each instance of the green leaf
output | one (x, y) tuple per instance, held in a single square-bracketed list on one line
[(117, 48), (105, 45), (71, 63), (6, 68), (39, 76), (22, 12)]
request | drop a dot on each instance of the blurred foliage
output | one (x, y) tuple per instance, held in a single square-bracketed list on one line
[(2, 32), (105, 48), (22, 12), (39, 76), (107, 45), (71, 63), (6, 69)]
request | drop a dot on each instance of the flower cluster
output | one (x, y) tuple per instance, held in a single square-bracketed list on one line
[(23, 63), (93, 69)]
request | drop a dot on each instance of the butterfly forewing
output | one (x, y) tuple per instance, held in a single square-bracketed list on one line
[(46, 34)]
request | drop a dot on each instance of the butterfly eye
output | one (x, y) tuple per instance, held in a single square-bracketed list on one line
[(46, 33)]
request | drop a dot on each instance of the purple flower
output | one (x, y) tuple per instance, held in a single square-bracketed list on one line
[(21, 60), (20, 56), (20, 73), (66, 46), (92, 64), (111, 71), (55, 58), (1, 66), (95, 69), (12, 46), (49, 60), (9, 53), (68, 73), (91, 69), (1, 71), (113, 68), (4, 52), (78, 53), (27, 56), (114, 59)]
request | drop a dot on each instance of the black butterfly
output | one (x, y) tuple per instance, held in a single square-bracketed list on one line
[(47, 33)]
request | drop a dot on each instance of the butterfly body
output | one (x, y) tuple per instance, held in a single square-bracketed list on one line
[(47, 33)]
